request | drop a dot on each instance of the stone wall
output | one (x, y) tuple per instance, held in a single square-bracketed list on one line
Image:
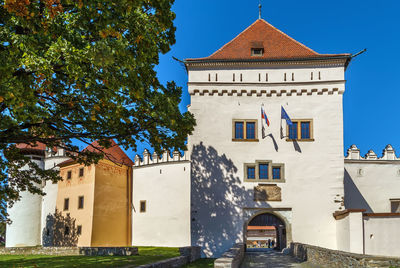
[(169, 263), (71, 251), (188, 254), (231, 258), (337, 259)]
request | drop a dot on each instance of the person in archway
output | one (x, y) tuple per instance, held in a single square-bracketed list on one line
[(273, 243)]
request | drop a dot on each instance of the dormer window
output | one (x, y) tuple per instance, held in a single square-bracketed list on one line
[(257, 52), (257, 48)]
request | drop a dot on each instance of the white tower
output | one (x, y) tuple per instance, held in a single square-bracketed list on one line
[(25, 214)]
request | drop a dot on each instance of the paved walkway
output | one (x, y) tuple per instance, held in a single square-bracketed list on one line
[(270, 259)]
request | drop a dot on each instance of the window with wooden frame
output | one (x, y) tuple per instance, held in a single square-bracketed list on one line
[(244, 130), (264, 171), (142, 206), (81, 201), (81, 172), (395, 205), (300, 130)]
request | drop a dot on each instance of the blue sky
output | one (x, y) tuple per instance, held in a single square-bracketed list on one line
[(371, 100)]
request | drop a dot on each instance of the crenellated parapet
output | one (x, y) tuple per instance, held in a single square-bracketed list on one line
[(265, 92), (166, 157), (353, 153)]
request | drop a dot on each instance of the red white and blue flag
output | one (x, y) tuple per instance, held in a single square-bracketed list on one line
[(264, 116)]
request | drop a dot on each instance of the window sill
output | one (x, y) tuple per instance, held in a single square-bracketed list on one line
[(305, 140), (249, 140), (264, 181)]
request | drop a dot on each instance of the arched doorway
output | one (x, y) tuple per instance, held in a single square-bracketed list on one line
[(266, 231)]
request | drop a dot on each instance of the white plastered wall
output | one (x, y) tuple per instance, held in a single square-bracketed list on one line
[(50, 189), (371, 184), (166, 189), (382, 236), (349, 233), (313, 170), (24, 231)]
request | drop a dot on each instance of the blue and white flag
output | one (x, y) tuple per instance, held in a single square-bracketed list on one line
[(285, 116)]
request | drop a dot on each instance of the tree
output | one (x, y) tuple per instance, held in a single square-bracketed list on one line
[(83, 70)]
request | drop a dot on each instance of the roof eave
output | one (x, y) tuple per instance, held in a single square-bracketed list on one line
[(317, 58)]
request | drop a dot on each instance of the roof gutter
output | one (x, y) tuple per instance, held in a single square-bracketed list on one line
[(346, 56)]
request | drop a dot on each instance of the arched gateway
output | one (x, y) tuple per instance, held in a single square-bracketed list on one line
[(266, 230)]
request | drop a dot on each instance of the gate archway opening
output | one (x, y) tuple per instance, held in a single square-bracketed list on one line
[(266, 231)]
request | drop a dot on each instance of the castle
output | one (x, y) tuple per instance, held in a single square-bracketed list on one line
[(267, 151)]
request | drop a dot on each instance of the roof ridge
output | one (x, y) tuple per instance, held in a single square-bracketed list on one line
[(291, 38)]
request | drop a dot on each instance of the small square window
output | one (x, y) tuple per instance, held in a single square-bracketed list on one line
[(257, 51), (251, 173), (263, 170), (69, 175), (395, 206), (276, 173), (81, 170), (66, 204), (142, 206), (80, 202), (79, 230)]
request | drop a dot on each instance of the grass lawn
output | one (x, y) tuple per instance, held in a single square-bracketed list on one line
[(202, 263), (146, 255)]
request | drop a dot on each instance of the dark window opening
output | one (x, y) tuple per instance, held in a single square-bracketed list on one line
[(66, 230), (81, 170), (79, 230), (142, 206), (69, 175), (80, 202), (66, 204), (257, 51)]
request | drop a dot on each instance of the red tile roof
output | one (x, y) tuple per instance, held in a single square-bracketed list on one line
[(113, 153), (39, 146), (261, 34)]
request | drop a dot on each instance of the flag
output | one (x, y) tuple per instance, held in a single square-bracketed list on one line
[(285, 116), (264, 116)]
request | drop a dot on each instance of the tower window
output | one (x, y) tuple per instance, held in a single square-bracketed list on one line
[(142, 206), (257, 52)]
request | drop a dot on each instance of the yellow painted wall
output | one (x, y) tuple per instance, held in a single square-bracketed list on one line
[(72, 189), (111, 215)]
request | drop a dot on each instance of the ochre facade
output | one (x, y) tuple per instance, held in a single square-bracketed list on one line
[(105, 217)]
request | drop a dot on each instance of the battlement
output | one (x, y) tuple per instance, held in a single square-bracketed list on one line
[(166, 157), (353, 153)]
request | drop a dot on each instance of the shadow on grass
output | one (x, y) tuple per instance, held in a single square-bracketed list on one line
[(146, 255), (201, 263)]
